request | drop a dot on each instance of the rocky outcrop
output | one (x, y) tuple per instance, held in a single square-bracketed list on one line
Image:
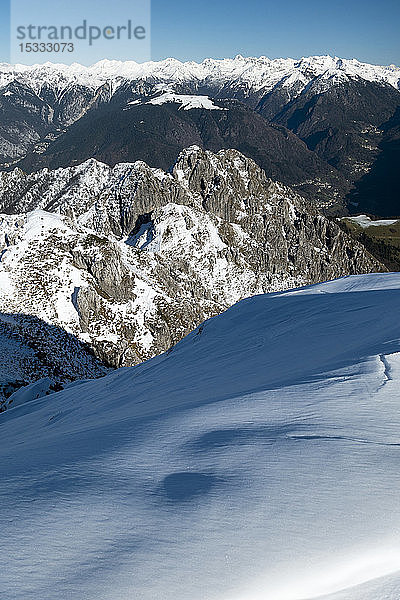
[(130, 259)]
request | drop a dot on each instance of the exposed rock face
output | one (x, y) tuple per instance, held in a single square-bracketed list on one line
[(129, 259)]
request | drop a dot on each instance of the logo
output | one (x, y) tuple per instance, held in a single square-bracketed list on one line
[(56, 33)]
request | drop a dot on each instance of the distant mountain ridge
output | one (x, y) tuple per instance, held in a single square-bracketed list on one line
[(323, 125), (253, 73)]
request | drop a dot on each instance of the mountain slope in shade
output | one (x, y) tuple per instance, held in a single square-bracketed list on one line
[(33, 350), (156, 132), (344, 124), (354, 126), (258, 458), (377, 192)]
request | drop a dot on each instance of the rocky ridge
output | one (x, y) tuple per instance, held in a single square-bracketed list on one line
[(127, 260)]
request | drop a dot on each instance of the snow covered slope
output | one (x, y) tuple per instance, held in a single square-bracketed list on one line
[(364, 221), (257, 459), (186, 101)]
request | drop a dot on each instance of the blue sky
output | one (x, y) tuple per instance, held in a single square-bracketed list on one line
[(195, 29)]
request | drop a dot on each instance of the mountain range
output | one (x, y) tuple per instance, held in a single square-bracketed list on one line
[(199, 343), (328, 127)]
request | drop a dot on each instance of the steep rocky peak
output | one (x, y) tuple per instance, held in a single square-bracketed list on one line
[(129, 259)]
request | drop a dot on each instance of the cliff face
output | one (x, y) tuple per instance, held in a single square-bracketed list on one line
[(130, 259)]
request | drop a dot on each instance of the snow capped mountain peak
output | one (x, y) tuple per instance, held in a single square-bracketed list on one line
[(256, 72)]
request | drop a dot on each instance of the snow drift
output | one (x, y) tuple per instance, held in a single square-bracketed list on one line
[(257, 459)]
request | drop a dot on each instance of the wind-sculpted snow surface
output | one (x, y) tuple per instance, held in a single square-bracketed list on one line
[(257, 459)]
